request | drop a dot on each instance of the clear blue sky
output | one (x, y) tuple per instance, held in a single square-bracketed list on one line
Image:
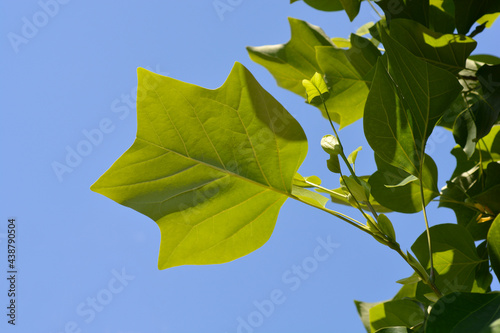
[(87, 264)]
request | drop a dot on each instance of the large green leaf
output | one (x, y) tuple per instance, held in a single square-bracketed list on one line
[(454, 254), (494, 246), (447, 51), (395, 313), (404, 104), (211, 167), (465, 313), (405, 198), (467, 12), (309, 50)]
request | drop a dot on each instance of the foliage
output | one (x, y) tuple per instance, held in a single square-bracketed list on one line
[(213, 167)]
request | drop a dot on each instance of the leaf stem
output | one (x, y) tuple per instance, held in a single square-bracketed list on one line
[(338, 195), (425, 279), (342, 154), (341, 216), (375, 9), (427, 229)]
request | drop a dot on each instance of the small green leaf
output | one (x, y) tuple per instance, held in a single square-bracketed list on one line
[(406, 181), (310, 197), (331, 145), (461, 312), (299, 180), (385, 225), (341, 42), (416, 264), (372, 225), (339, 197), (465, 132), (364, 312), (410, 280), (360, 191), (333, 164), (396, 313), (352, 156), (431, 297), (316, 89), (494, 246)]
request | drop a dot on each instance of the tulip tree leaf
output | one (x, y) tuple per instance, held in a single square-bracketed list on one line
[(347, 72), (416, 10), (316, 89), (313, 198), (467, 12), (465, 313), (404, 104), (294, 61), (395, 313), (395, 189), (447, 51), (454, 254), (211, 167), (299, 180)]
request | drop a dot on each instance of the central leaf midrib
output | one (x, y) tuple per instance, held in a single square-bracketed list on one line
[(219, 169)]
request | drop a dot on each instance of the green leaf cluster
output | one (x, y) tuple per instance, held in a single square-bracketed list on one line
[(213, 167)]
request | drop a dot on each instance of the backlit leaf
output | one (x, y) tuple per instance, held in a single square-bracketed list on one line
[(211, 167), (454, 254), (465, 313)]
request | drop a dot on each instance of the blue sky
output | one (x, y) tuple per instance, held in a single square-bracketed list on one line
[(87, 264)]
